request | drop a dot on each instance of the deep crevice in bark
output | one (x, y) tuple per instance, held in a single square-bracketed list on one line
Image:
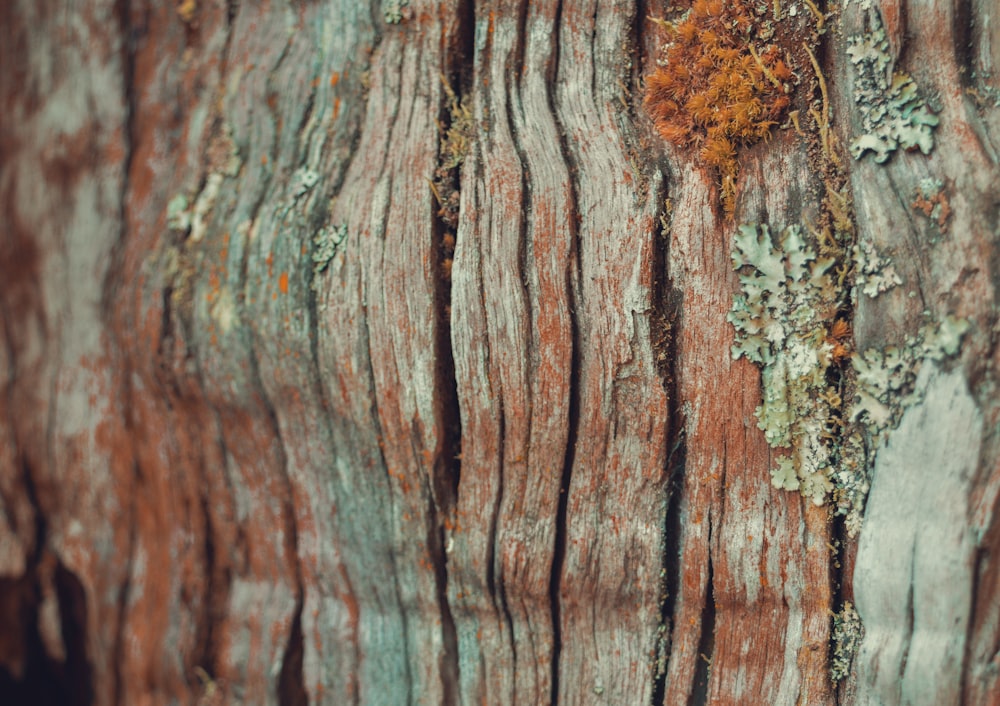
[(559, 555), (670, 567), (448, 464), (73, 619), (291, 682), (44, 680), (69, 585), (291, 686), (204, 651), (706, 644), (667, 302), (572, 275)]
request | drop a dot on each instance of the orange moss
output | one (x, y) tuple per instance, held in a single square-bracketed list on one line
[(713, 92)]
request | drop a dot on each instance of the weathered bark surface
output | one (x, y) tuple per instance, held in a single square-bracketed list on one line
[(494, 454)]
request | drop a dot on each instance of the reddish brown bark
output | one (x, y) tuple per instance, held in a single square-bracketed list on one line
[(494, 455)]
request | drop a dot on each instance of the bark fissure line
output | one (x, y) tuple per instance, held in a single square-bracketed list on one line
[(123, 14), (573, 413), (513, 104), (666, 309), (447, 470)]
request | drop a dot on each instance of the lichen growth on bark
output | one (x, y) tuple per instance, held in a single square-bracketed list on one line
[(326, 242), (847, 634), (782, 320), (886, 377), (874, 273), (893, 113)]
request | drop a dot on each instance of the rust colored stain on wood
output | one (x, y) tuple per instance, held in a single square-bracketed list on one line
[(455, 461)]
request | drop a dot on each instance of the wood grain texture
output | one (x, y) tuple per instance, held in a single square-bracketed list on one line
[(230, 473), (609, 588), (945, 271)]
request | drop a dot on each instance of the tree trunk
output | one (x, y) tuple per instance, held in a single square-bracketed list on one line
[(385, 355)]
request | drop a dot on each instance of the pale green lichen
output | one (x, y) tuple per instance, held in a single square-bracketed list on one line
[(781, 325), (303, 181), (851, 481), (203, 206), (886, 378), (178, 214), (893, 114), (847, 634), (326, 242), (874, 274), (931, 200), (392, 10)]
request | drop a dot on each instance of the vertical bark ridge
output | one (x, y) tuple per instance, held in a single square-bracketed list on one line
[(948, 268), (570, 283), (617, 481), (229, 470)]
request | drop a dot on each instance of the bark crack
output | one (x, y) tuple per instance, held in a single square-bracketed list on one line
[(573, 276), (447, 470), (706, 643)]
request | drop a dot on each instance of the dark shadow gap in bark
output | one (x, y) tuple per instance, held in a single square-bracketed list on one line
[(44, 680), (447, 189), (640, 59), (572, 276), (447, 470), (670, 566), (291, 683), (204, 652), (667, 303), (78, 677), (118, 650), (965, 41), (706, 644), (907, 641), (559, 554), (218, 569)]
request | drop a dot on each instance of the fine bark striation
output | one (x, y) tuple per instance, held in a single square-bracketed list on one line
[(377, 353)]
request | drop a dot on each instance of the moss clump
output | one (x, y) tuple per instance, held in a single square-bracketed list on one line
[(713, 91)]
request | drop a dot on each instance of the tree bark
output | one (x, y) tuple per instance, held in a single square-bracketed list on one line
[(382, 354)]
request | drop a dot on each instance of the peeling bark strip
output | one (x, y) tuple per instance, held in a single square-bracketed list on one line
[(373, 353)]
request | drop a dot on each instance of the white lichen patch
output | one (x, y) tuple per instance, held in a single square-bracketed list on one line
[(847, 634), (178, 214), (893, 114), (326, 242), (224, 310), (851, 481), (392, 10), (874, 274), (303, 181), (781, 321), (203, 206), (886, 378)]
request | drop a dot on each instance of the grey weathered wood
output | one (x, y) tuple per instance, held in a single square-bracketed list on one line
[(914, 577), (530, 474)]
